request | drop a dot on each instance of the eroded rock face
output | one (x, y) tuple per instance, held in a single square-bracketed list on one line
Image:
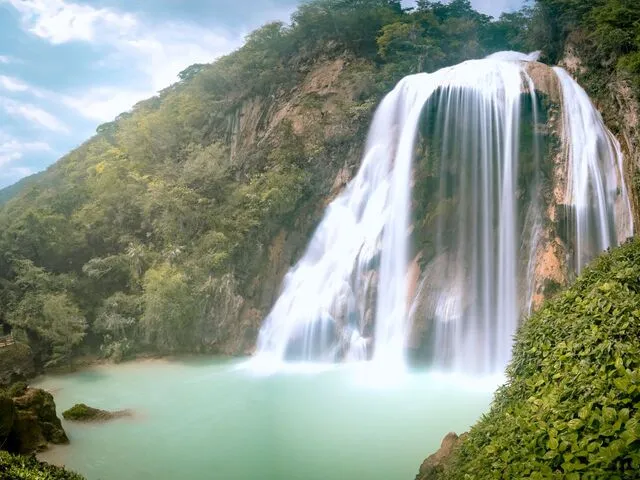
[(545, 80), (29, 421), (435, 465), (39, 404)]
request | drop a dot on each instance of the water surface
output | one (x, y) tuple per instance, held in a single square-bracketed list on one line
[(214, 419)]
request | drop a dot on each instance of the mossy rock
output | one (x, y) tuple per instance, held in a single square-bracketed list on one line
[(41, 405), (570, 408), (84, 413), (26, 435), (17, 467), (17, 389)]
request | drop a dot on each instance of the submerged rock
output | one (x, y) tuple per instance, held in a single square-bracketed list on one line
[(84, 413)]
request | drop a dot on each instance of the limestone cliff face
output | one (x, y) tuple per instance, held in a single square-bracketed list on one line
[(328, 114)]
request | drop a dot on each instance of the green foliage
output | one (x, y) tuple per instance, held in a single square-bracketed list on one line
[(168, 308), (17, 467), (53, 318), (196, 182), (606, 32), (571, 405)]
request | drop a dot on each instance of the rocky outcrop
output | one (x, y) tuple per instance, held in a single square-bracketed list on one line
[(435, 465), (545, 80), (35, 422), (28, 421), (84, 413)]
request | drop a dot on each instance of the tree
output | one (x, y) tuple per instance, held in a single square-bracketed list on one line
[(168, 309), (56, 321)]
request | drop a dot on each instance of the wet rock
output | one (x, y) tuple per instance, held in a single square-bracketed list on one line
[(84, 413)]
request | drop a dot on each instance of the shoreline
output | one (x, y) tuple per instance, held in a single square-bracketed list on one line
[(88, 362)]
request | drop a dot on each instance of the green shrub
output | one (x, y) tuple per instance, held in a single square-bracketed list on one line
[(570, 407), (16, 467)]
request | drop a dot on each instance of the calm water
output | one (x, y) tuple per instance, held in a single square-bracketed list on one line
[(213, 419)]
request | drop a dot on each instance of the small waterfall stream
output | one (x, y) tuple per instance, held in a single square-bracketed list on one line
[(350, 297)]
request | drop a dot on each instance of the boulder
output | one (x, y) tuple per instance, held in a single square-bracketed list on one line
[(435, 465), (84, 413), (36, 421)]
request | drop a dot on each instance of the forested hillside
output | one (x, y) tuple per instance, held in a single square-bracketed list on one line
[(171, 229)]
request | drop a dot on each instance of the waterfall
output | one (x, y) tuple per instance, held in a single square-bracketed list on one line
[(350, 297)]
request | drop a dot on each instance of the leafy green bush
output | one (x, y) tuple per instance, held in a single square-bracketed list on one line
[(571, 406), (17, 467)]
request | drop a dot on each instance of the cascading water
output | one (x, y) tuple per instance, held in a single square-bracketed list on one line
[(351, 295)]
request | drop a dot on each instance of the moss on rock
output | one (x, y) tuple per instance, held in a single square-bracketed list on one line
[(571, 406), (36, 422), (84, 413)]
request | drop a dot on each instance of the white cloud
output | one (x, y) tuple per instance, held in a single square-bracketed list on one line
[(104, 103), (59, 22), (33, 114), (12, 149), (13, 84), (5, 59), (154, 54)]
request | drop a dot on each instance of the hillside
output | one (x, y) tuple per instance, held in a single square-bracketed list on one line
[(11, 191), (171, 229)]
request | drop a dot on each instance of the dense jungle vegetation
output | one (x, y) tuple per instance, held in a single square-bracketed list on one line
[(133, 241)]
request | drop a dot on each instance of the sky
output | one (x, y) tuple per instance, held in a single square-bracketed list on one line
[(66, 66)]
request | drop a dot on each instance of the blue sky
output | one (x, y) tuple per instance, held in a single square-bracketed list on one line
[(67, 66)]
